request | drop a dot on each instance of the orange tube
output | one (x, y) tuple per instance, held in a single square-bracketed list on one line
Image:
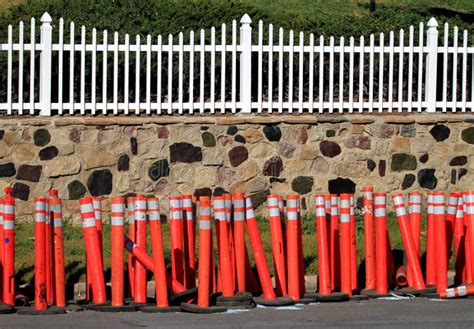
[(258, 252), (468, 275), (158, 253), (414, 208), (49, 250), (117, 255), (323, 252), (8, 247), (301, 268), (189, 244), (205, 251), (440, 234), (450, 221), (230, 229), (91, 240), (369, 237), (430, 244), (239, 240), (334, 250), (408, 241), (469, 216), (381, 284), (176, 238), (292, 247), (277, 245), (461, 291), (345, 244), (55, 206), (353, 246), (40, 261), (225, 265), (1, 250), (97, 202), (459, 236), (140, 240), (401, 276), (131, 261)]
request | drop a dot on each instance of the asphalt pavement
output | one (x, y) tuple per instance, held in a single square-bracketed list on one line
[(417, 313)]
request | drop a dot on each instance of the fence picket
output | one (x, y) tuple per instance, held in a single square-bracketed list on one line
[(191, 72), (321, 74), (270, 68), (20, 69), (390, 71), (158, 73), (351, 75), (290, 73), (83, 70), (201, 73), (400, 71), (212, 81), (420, 66), (234, 67), (280, 71), (341, 75), (464, 71), (361, 75), (93, 73), (126, 73), (455, 70), (445, 66), (104, 72), (371, 73), (311, 73), (180, 73), (9, 70), (260, 67), (137, 75), (223, 67), (381, 64), (170, 74), (410, 68), (148, 75), (300, 73), (331, 75), (116, 55), (32, 66)]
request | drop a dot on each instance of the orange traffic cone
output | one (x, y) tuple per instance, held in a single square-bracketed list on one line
[(55, 207), (40, 254)]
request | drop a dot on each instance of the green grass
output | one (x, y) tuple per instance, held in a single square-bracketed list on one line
[(75, 260)]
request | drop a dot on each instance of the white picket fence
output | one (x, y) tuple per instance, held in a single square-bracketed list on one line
[(315, 75)]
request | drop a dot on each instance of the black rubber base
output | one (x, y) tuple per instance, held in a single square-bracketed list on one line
[(238, 297), (71, 308), (237, 306), (279, 301), (116, 309), (414, 292), (335, 297), (358, 298), (6, 309), (192, 308), (53, 310), (183, 297), (155, 309), (430, 295), (374, 294), (306, 300)]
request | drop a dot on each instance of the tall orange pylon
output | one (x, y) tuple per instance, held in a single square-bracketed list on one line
[(140, 240), (9, 247), (345, 244), (430, 245), (1, 250), (117, 254), (278, 248), (225, 266), (369, 242), (414, 209), (97, 202), (40, 254), (230, 223), (380, 204), (205, 251), (189, 243), (292, 245), (131, 261), (353, 245), (239, 240), (323, 250), (334, 250), (469, 219), (49, 257), (459, 236), (176, 238), (451, 220), (55, 207), (441, 249)]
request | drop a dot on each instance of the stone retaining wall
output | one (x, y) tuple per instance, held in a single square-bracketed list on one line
[(204, 155)]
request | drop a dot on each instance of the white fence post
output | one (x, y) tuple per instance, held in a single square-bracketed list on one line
[(431, 64), (246, 64), (45, 64)]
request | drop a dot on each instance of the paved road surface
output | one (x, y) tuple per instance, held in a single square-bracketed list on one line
[(418, 313)]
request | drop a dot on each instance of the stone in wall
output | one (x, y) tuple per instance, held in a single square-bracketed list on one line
[(272, 133), (273, 166), (123, 163), (427, 178), (467, 135), (238, 155), (208, 139), (100, 182), (7, 169), (403, 162), (302, 184), (440, 132), (159, 169), (42, 137), (341, 185), (329, 149), (29, 173), (21, 191), (48, 153), (185, 152), (76, 190)]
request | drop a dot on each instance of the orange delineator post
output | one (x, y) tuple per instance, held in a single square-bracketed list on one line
[(140, 240), (292, 246), (334, 250), (345, 244), (158, 252), (189, 243), (1, 250), (459, 236), (380, 204), (451, 220), (461, 291), (440, 234), (55, 207), (117, 215), (40, 254), (401, 276), (301, 270), (205, 251), (369, 242), (353, 245), (131, 261), (97, 203), (324, 277), (9, 247), (230, 229), (239, 240), (94, 261), (430, 244), (176, 238), (278, 249), (469, 216), (258, 252), (49, 257), (414, 208), (468, 274), (225, 265), (408, 241)]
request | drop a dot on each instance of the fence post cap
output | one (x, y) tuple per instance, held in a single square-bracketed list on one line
[(46, 18), (246, 19), (432, 22)]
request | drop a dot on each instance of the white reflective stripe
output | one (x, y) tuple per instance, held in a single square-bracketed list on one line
[(239, 216), (274, 212), (430, 198), (205, 211), (452, 210), (280, 204), (369, 195), (87, 207), (291, 203), (219, 204), (352, 210), (131, 206), (56, 208), (438, 199), (272, 202), (468, 198), (460, 214), (175, 203), (96, 203), (131, 219), (140, 204), (8, 225), (1, 220), (334, 200), (398, 200), (430, 208), (153, 215), (220, 215), (319, 201), (88, 222), (153, 204), (40, 206), (116, 207), (379, 212), (189, 215), (116, 221), (345, 203), (416, 198), (438, 210), (239, 203), (327, 204), (320, 212), (469, 210), (462, 290), (453, 200), (58, 222), (250, 213), (187, 203), (450, 293), (379, 200), (8, 209), (40, 217), (204, 224), (401, 211), (345, 218), (334, 211), (292, 215), (177, 215), (98, 215), (415, 209)]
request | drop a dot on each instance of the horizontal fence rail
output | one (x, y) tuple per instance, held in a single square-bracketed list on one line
[(74, 71)]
